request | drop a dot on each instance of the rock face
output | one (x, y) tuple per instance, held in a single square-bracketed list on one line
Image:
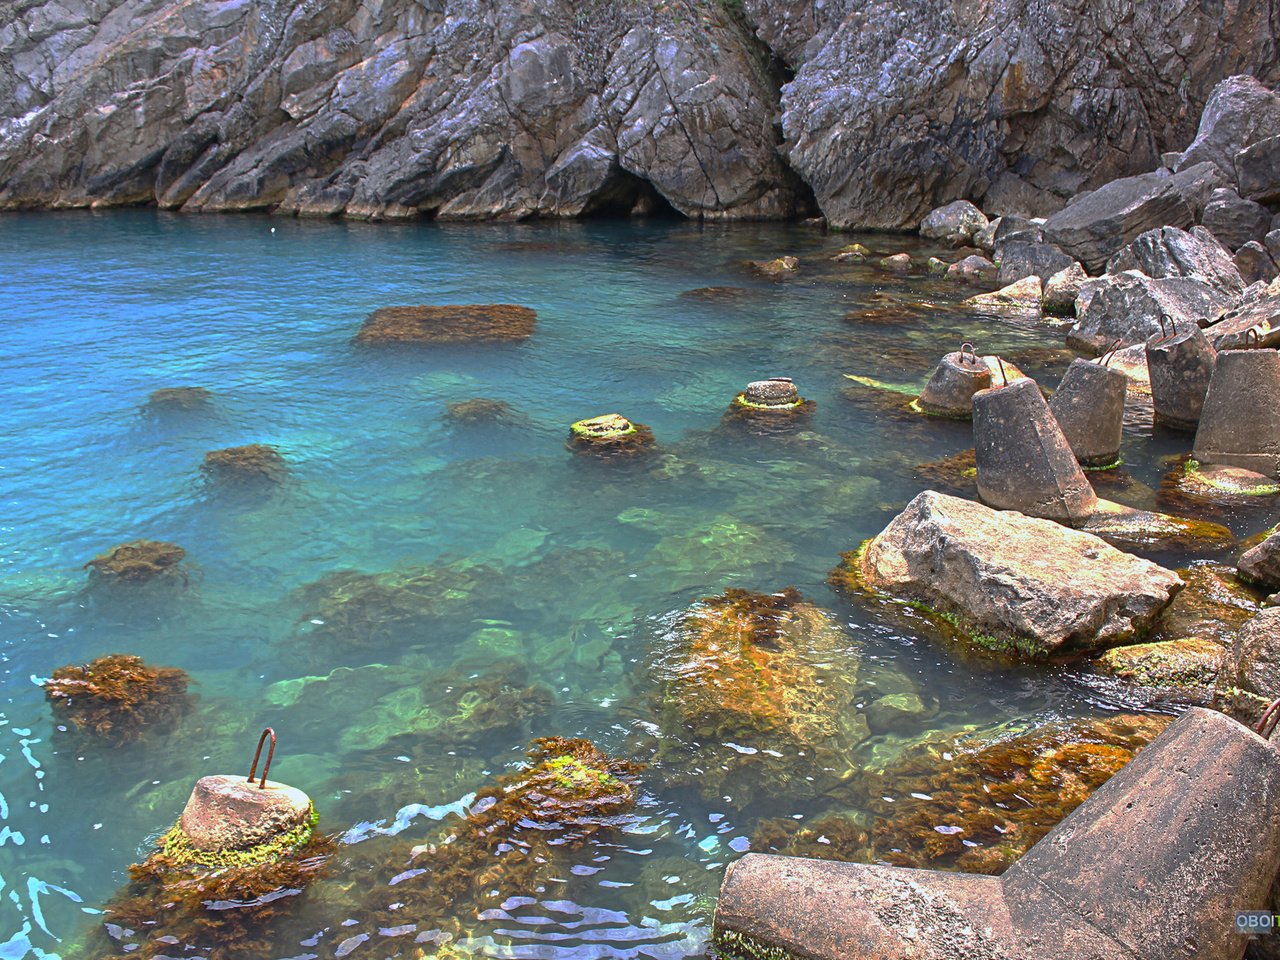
[(453, 108), (1128, 306), (1234, 220), (467, 108), (1253, 663), (1239, 113), (1170, 252), (1022, 583)]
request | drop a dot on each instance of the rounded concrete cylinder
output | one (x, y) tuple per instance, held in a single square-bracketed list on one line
[(233, 813), (1180, 368), (1240, 423), (1089, 408), (774, 392), (949, 392), (1024, 461)]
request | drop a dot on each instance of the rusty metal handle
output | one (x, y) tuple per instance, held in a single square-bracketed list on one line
[(1252, 334), (1110, 354), (1003, 376), (1270, 717), (1172, 329), (262, 784), (973, 354)]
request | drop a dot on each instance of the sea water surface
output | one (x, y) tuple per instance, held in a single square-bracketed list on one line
[(582, 567)]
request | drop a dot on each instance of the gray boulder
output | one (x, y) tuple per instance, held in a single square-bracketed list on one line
[(1015, 582), (1062, 290), (1258, 312), (956, 223), (1253, 662), (1020, 259), (1272, 242), (1255, 263), (973, 269), (1234, 220), (1197, 183), (985, 239), (1013, 227), (1128, 306), (1094, 225), (1258, 171), (1261, 565), (898, 106), (1240, 112), (1170, 252)]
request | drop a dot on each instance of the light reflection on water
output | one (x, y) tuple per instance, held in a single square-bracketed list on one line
[(580, 567)]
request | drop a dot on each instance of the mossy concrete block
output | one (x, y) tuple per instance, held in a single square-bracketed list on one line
[(232, 813)]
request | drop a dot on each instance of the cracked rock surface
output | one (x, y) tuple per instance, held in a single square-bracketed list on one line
[(718, 108)]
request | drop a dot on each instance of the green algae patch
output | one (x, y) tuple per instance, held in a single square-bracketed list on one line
[(1211, 478), (177, 849), (740, 946), (906, 389)]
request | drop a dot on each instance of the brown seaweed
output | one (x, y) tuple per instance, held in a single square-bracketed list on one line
[(453, 323), (252, 462), (139, 561), (478, 410), (179, 398), (118, 699)]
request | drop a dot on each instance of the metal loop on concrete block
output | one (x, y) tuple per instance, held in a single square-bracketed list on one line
[(262, 784)]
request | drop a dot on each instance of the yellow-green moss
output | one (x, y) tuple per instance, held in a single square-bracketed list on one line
[(179, 851)]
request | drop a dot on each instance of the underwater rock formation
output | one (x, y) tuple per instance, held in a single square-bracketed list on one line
[(478, 410), (254, 462), (455, 323), (517, 835), (754, 693), (139, 561), (973, 803), (118, 699), (179, 398)]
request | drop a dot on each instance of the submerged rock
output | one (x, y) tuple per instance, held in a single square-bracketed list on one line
[(250, 463), (1010, 582), (139, 561), (716, 294), (973, 803), (1184, 669), (899, 263), (775, 269), (118, 699), (469, 323), (478, 410), (753, 694), (179, 398), (610, 436)]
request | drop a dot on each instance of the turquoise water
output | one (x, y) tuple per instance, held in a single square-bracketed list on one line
[(573, 569)]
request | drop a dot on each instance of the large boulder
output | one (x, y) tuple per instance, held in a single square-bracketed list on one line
[(1170, 252), (1240, 112), (1094, 225), (1258, 171), (1258, 312), (1261, 565), (1128, 307), (1014, 582), (1062, 290), (1253, 663), (1255, 263), (1020, 259), (1234, 220), (956, 223), (898, 106)]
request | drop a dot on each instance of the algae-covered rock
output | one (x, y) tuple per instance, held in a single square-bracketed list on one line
[(1189, 666), (754, 693), (973, 803), (174, 399), (118, 699), (252, 462), (1010, 582), (1123, 526), (610, 436), (139, 561), (1221, 483), (453, 323), (1213, 605), (717, 295), (1251, 674), (478, 410), (775, 269)]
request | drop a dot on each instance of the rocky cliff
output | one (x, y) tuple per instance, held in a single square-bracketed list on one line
[(717, 108)]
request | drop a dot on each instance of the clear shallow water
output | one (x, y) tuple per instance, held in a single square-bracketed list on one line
[(584, 566)]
